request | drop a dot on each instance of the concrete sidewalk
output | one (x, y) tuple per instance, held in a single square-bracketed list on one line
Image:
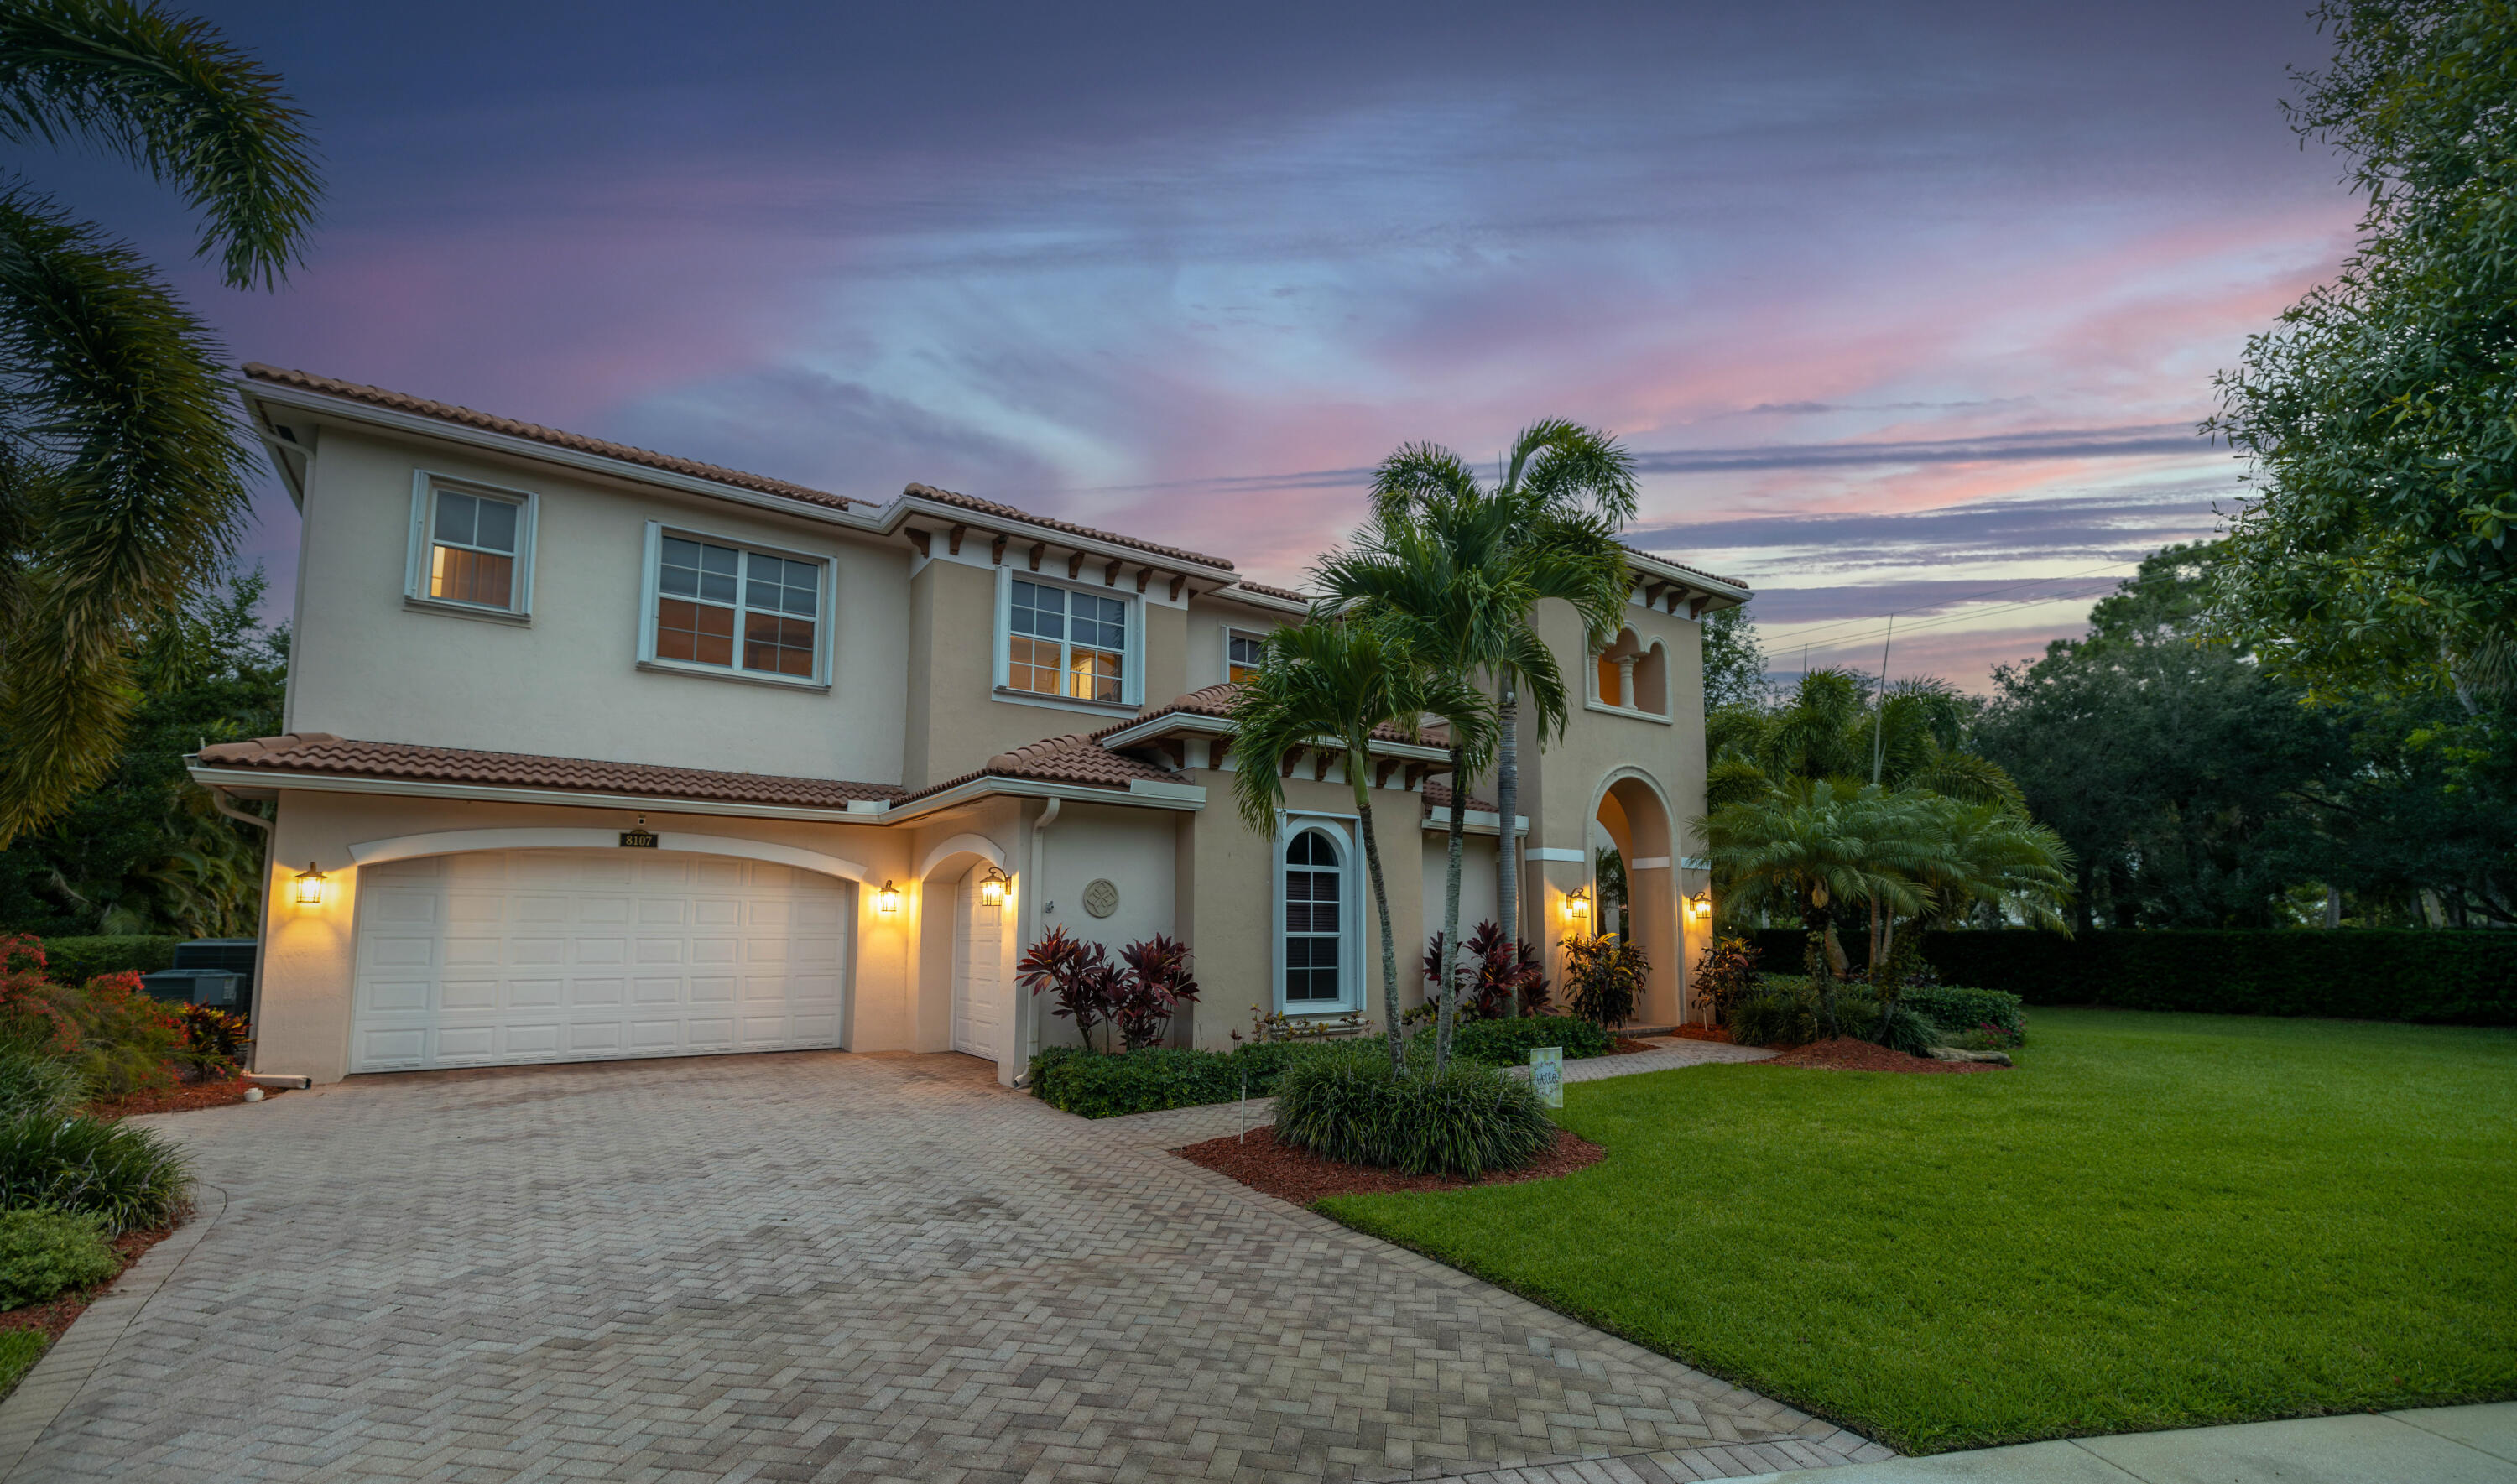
[(2436, 1445)]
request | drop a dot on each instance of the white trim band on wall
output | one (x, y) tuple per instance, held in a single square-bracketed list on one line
[(446, 843), (1649, 863), (1553, 853)]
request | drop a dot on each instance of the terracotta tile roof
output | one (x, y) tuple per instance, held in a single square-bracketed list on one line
[(1077, 759), (397, 401), (1682, 567), (973, 503), (321, 753), (1437, 799), (1264, 591)]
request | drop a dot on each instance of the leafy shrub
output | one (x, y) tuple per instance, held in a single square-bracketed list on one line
[(1509, 1042), (130, 1177), (35, 1084), (1499, 972), (1347, 1103), (1904, 1030), (1089, 1083), (214, 1040), (117, 1038), (73, 962), (1958, 1009), (1139, 996), (1604, 978), (1726, 974), (1782, 1011), (46, 1252)]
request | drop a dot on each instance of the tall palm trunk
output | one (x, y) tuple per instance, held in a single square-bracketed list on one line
[(1388, 944), (1508, 808), (1447, 1011), (1821, 923)]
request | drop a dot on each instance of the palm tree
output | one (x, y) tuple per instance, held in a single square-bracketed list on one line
[(122, 477), (1462, 567), (1913, 736), (1331, 684), (1814, 849)]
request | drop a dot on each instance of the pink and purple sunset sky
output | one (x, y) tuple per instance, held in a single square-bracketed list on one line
[(1907, 308)]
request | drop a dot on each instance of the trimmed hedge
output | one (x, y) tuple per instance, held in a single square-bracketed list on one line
[(1509, 1042), (2456, 978), (1095, 1086), (1957, 1009), (74, 961)]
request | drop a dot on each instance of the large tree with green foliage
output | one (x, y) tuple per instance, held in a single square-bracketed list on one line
[(144, 851), (122, 474), (1545, 528), (2382, 414)]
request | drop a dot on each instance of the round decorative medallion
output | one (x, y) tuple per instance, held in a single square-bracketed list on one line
[(1102, 899)]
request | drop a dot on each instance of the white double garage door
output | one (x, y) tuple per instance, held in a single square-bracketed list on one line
[(548, 956)]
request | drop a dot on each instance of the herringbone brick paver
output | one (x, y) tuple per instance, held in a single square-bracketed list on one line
[(826, 1267)]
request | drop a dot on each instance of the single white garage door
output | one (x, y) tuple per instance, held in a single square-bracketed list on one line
[(543, 956)]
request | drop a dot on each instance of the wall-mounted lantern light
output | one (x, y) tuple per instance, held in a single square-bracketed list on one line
[(1577, 903), (310, 886), (887, 900), (1700, 905), (992, 886)]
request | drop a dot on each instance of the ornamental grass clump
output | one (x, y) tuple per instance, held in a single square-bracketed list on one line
[(33, 1084), (131, 1178), (1347, 1104)]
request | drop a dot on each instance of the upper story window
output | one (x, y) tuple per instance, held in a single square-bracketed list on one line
[(1241, 654), (1066, 642), (471, 546), (717, 605)]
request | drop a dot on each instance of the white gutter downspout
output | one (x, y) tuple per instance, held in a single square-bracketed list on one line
[(1038, 911)]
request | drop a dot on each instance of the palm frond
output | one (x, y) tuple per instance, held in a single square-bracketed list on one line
[(168, 94)]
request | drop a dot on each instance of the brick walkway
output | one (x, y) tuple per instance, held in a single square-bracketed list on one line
[(829, 1267)]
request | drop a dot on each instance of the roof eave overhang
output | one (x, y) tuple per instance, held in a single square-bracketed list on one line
[(900, 511), (1199, 724), (1142, 793), (263, 780), (1661, 577), (259, 395), (1437, 819)]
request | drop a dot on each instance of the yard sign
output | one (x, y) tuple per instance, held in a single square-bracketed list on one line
[(1547, 1073)]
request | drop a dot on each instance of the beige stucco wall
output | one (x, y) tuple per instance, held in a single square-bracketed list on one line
[(1203, 634), (363, 665)]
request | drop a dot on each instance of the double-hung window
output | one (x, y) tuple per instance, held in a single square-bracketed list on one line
[(714, 605), (1064, 642), (1241, 652), (471, 547)]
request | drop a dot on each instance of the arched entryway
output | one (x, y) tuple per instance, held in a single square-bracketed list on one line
[(967, 949), (1633, 811)]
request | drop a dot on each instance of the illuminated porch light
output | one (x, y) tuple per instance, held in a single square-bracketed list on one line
[(992, 886), (1700, 905), (310, 886), (1577, 903), (887, 900)]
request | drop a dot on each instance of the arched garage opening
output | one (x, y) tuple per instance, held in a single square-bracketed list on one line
[(487, 948)]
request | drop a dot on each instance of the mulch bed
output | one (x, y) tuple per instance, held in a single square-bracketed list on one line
[(55, 1315), (1846, 1054), (1627, 1045), (1720, 1033), (1302, 1178), (184, 1097)]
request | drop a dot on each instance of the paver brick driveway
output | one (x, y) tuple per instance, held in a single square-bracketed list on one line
[(817, 1266)]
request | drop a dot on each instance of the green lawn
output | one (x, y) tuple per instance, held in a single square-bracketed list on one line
[(2155, 1221)]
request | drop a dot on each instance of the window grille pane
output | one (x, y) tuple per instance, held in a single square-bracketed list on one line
[(717, 565), (693, 631), (455, 513), (470, 576), (776, 645), (1101, 622), (1034, 666), (1094, 676), (1039, 611), (782, 586), (1241, 657), (496, 527)]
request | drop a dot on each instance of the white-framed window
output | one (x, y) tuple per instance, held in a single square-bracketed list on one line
[(471, 546), (1241, 652), (1319, 965), (1068, 642), (715, 605)]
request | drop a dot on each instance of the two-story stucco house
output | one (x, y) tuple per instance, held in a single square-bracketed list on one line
[(596, 752)]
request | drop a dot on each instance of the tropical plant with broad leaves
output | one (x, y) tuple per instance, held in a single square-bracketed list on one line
[(1336, 685), (122, 473), (1500, 977), (1460, 567)]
